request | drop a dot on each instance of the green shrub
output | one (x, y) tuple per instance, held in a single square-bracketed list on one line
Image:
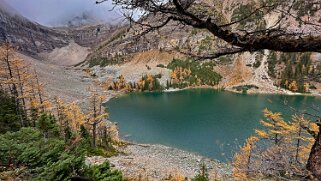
[(102, 61), (257, 64), (103, 172), (245, 88), (161, 66), (49, 158), (225, 59)]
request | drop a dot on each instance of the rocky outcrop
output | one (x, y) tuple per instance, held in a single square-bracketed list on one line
[(127, 41), (89, 36)]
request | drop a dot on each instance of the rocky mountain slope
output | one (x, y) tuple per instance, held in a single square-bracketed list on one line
[(52, 51), (28, 36), (238, 70), (32, 38), (119, 50)]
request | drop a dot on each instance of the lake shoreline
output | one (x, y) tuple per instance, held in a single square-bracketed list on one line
[(252, 91), (249, 92), (159, 162), (157, 153)]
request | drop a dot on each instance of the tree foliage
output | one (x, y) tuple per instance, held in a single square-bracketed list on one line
[(9, 120), (246, 30), (280, 150), (50, 158), (103, 172), (192, 73)]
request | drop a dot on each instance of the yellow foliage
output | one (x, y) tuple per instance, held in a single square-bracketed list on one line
[(306, 87), (276, 126), (293, 86), (17, 78), (176, 176), (74, 116), (179, 74), (313, 127), (289, 145), (242, 160), (261, 133), (266, 124)]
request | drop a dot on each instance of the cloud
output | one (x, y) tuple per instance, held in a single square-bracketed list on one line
[(55, 12)]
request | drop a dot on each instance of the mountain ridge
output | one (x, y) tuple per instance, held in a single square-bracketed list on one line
[(32, 38)]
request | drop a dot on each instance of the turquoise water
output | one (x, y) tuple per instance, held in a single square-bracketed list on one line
[(206, 121)]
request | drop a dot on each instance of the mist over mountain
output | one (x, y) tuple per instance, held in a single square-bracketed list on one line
[(62, 13), (85, 18)]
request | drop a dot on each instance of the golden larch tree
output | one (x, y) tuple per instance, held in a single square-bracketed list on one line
[(242, 160)]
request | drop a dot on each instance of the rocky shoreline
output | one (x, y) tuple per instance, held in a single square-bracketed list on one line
[(159, 162)]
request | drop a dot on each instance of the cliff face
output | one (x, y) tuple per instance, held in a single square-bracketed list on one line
[(90, 35)]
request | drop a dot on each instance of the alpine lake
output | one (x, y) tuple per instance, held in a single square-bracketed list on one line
[(209, 122)]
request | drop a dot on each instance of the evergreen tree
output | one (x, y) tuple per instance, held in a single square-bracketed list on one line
[(202, 175), (47, 125), (9, 120)]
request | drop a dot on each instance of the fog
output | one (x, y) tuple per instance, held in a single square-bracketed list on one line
[(59, 12)]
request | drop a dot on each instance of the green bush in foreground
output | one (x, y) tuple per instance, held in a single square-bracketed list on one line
[(104, 173), (45, 155)]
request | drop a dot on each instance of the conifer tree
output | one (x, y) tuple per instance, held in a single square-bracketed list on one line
[(9, 120), (47, 125), (97, 115), (242, 160), (8, 62), (302, 140), (203, 174), (277, 128)]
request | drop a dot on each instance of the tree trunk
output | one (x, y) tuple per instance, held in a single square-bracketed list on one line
[(314, 161), (21, 85), (39, 93), (94, 135), (95, 121), (14, 87), (298, 146)]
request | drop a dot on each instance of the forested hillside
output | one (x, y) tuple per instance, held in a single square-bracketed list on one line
[(44, 139)]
